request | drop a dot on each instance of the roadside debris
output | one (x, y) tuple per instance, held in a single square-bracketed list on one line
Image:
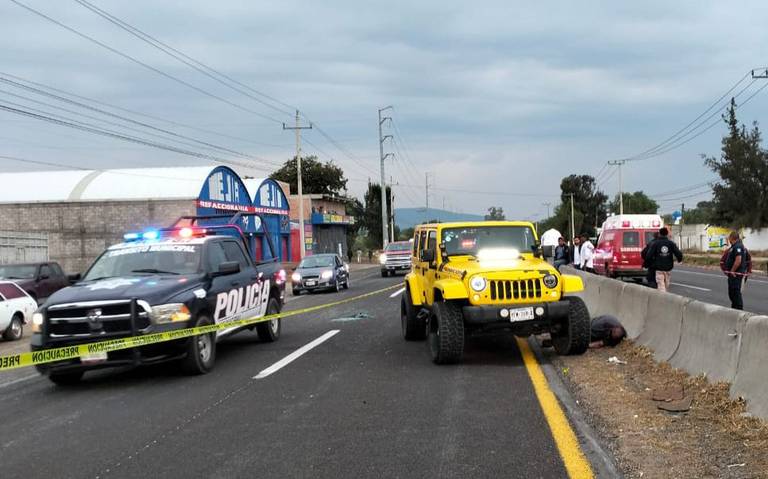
[(615, 360)]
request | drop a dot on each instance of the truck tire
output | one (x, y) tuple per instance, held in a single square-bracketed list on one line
[(66, 379), (269, 331), (385, 274), (15, 329), (414, 328), (201, 351), (573, 337), (446, 333)]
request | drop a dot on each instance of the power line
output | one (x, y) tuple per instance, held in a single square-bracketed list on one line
[(143, 64), (137, 113), (197, 65)]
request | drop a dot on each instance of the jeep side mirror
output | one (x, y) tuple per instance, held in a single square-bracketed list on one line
[(227, 268), (428, 255), (536, 249)]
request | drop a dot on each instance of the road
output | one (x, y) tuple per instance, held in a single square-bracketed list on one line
[(363, 403), (710, 286)]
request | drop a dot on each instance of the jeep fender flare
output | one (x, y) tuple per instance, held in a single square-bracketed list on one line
[(414, 288), (572, 283), (450, 289)]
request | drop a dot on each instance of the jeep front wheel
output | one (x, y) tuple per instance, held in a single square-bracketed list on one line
[(414, 328), (573, 335), (446, 333)]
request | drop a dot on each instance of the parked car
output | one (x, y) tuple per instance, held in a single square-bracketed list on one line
[(39, 280), (16, 309), (320, 271)]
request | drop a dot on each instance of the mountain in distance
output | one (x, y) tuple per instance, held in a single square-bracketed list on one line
[(410, 217)]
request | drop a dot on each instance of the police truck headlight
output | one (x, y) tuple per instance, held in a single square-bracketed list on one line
[(296, 277), (477, 283), (327, 274), (170, 313), (37, 322), (550, 281)]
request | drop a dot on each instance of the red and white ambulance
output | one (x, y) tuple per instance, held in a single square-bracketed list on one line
[(621, 240)]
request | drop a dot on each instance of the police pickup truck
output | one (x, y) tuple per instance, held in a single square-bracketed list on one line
[(157, 281)]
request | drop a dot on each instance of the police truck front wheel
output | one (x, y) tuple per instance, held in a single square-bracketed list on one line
[(269, 331), (446, 333), (572, 334), (201, 350)]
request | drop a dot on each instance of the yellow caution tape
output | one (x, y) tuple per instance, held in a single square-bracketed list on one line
[(21, 360)]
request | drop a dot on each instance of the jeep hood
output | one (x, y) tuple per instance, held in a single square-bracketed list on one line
[(469, 267)]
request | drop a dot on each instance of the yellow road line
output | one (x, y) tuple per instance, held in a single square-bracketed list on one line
[(575, 462)]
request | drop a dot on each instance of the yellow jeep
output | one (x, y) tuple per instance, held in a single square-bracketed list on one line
[(473, 277)]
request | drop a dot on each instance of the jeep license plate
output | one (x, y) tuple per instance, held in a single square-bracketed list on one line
[(521, 314), (93, 358)]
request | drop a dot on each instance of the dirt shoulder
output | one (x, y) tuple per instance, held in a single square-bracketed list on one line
[(715, 438)]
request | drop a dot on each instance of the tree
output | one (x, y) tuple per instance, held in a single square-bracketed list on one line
[(588, 204), (316, 177), (405, 234), (703, 214), (370, 218), (741, 196), (635, 203), (495, 213)]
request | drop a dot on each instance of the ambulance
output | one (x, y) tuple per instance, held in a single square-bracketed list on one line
[(621, 241)]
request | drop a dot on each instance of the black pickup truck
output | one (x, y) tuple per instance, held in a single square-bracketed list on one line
[(162, 280)]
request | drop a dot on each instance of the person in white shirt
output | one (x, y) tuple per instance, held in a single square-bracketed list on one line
[(576, 251), (587, 255)]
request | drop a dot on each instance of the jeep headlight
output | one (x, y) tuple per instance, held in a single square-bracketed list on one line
[(170, 313), (477, 283), (327, 274), (550, 281), (37, 322)]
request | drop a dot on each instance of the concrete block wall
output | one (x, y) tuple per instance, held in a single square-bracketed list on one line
[(700, 338), (79, 231)]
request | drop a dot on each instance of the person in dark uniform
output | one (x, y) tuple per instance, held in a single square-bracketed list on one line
[(736, 269), (650, 276), (606, 330), (661, 256)]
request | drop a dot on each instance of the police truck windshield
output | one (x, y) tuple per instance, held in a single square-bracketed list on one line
[(468, 241), (143, 259)]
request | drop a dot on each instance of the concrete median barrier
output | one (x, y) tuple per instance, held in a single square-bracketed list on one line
[(750, 382), (663, 324), (633, 311), (709, 341)]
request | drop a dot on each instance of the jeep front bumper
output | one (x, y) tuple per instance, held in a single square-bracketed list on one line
[(543, 314)]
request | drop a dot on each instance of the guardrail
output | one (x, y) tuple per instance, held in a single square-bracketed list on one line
[(700, 338)]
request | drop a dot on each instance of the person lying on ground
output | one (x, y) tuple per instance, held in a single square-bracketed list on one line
[(606, 330)]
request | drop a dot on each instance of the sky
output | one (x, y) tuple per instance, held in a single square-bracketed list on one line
[(494, 102)]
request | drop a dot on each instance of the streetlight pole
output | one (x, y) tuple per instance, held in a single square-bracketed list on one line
[(619, 163)]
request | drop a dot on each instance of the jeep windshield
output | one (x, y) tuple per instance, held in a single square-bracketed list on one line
[(143, 259), (471, 240)]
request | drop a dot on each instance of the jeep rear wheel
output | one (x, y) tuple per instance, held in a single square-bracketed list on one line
[(414, 328), (573, 335), (446, 333)]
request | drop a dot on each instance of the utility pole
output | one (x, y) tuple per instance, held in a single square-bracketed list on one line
[(382, 157), (547, 205), (573, 223), (392, 211), (619, 163), (298, 129), (426, 189)]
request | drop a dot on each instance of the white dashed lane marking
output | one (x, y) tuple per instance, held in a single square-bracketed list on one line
[(296, 354), (397, 293)]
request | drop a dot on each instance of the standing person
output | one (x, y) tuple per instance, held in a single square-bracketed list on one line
[(661, 256), (576, 252), (562, 253), (370, 256), (587, 255), (650, 276), (736, 265)]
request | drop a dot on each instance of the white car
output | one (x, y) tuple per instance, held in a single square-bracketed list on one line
[(16, 309)]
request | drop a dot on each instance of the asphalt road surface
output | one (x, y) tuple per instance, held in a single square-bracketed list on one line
[(361, 403), (711, 286)]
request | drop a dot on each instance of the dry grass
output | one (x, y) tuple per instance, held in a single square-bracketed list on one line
[(715, 439)]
